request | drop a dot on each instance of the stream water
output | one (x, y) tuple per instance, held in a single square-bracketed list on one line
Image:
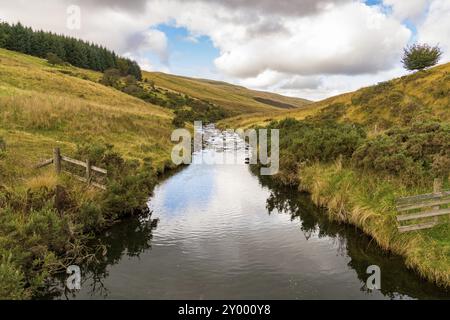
[(227, 233)]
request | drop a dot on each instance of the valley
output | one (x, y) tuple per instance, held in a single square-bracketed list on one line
[(126, 127)]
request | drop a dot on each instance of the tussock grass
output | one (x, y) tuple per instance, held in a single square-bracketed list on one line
[(47, 180)]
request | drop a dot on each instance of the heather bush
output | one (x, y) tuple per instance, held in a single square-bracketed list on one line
[(412, 153)]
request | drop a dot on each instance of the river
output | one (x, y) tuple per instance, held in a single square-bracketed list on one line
[(226, 233)]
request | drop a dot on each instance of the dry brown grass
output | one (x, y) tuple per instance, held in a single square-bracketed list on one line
[(47, 180), (42, 107)]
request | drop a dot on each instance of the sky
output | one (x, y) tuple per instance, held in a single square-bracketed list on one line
[(311, 49)]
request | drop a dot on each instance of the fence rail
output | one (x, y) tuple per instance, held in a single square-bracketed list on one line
[(425, 206), (58, 159)]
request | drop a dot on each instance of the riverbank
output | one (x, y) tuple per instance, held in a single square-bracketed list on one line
[(44, 107), (393, 138), (368, 202), (358, 175), (42, 232), (217, 224)]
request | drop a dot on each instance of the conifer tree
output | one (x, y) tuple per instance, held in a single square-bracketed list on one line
[(79, 53)]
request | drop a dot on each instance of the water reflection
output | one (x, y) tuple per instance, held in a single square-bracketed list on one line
[(226, 233), (397, 281), (128, 239)]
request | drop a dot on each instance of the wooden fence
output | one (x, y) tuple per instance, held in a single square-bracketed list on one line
[(425, 206), (58, 159)]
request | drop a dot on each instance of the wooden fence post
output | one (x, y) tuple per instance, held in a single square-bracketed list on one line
[(88, 171), (90, 175), (437, 188), (57, 160)]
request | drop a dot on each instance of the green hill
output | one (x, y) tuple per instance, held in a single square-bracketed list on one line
[(422, 95), (236, 99), (43, 106)]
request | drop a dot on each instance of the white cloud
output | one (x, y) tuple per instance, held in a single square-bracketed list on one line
[(151, 40), (280, 7), (349, 39), (436, 27), (264, 80), (407, 9), (318, 87), (302, 83), (306, 48)]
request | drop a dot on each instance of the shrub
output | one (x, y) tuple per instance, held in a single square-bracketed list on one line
[(178, 122), (314, 140), (133, 90), (409, 112), (111, 78), (421, 56), (129, 184), (31, 242), (90, 217), (319, 140), (332, 112), (103, 155), (49, 227), (12, 279), (128, 196), (53, 59), (412, 153)]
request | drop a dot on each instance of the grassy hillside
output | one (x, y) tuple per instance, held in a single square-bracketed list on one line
[(358, 152), (233, 98), (42, 107), (422, 95)]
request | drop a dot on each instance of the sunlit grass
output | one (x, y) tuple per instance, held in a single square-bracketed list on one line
[(425, 95), (232, 98), (368, 202), (42, 107)]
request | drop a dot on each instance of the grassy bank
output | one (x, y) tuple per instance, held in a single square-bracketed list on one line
[(358, 175), (368, 202)]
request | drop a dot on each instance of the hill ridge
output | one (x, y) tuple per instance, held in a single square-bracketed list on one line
[(227, 95), (419, 96)]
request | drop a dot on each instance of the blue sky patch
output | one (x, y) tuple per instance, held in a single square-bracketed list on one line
[(189, 55)]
